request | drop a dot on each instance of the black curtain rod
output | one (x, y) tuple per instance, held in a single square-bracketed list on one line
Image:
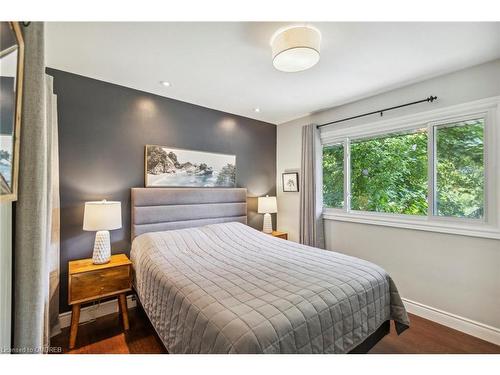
[(430, 99)]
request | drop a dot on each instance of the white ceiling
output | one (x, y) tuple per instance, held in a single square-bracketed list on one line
[(227, 66)]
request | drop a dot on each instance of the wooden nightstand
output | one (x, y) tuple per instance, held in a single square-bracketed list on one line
[(277, 233), (89, 282)]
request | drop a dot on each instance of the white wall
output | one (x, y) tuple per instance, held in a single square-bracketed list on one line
[(457, 274), (5, 273)]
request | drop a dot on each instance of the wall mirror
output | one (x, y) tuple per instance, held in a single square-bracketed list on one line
[(11, 82)]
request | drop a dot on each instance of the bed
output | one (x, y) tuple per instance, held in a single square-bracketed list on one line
[(211, 284)]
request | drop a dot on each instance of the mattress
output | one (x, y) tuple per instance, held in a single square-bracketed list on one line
[(228, 288)]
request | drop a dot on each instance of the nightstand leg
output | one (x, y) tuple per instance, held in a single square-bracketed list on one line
[(122, 303), (75, 318)]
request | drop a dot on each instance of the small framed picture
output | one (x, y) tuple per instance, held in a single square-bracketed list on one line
[(290, 182)]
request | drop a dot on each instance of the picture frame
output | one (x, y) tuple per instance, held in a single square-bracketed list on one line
[(166, 166), (290, 182), (11, 80)]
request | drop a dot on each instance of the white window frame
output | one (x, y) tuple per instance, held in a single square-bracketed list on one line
[(487, 227)]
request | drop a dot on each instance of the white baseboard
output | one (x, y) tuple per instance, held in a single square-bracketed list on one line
[(471, 327), (95, 311)]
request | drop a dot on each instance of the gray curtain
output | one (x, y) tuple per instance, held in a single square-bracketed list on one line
[(35, 246), (311, 202)]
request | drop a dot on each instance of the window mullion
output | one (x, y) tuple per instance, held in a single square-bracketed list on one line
[(431, 171)]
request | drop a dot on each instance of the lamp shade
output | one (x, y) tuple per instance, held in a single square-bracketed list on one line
[(267, 205), (296, 48), (102, 215)]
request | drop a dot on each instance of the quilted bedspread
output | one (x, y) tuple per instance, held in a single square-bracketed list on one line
[(228, 288)]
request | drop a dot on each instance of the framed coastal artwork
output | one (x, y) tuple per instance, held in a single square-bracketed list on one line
[(174, 167), (290, 182), (11, 79)]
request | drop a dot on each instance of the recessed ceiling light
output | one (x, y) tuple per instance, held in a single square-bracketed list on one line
[(256, 110), (165, 83)]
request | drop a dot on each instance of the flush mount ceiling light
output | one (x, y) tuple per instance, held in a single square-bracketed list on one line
[(296, 48), (256, 110), (165, 83)]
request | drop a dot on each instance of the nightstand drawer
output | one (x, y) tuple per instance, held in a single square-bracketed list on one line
[(279, 234), (99, 283)]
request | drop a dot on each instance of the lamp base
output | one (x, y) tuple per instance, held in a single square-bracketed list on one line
[(268, 224), (102, 248)]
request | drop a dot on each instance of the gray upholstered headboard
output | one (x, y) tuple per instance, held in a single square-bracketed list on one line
[(159, 209)]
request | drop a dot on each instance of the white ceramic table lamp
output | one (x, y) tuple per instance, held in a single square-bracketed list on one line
[(267, 206), (102, 217)]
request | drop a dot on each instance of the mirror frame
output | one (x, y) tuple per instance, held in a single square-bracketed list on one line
[(16, 28)]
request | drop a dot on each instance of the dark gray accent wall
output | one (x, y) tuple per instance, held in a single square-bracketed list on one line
[(103, 129)]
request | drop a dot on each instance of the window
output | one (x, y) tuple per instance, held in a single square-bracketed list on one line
[(389, 173), (333, 176), (417, 171), (460, 169)]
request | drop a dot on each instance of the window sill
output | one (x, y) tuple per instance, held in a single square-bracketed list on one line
[(416, 223)]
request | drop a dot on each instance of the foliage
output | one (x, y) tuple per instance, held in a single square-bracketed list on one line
[(155, 158), (390, 173), (460, 170), (333, 176), (227, 176)]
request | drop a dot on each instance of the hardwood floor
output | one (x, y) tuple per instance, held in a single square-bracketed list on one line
[(427, 337), (105, 335)]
